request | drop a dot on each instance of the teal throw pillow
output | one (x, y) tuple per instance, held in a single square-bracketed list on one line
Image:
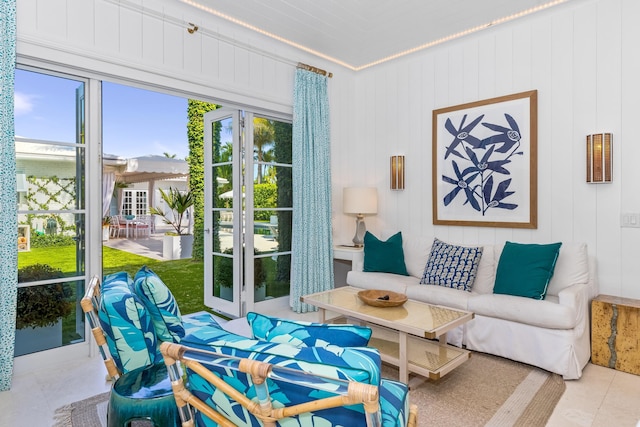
[(161, 305), (525, 270), (307, 334), (451, 266), (384, 256)]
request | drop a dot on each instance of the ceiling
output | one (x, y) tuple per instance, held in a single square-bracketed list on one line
[(361, 33)]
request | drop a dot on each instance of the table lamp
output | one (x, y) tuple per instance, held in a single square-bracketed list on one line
[(360, 201)]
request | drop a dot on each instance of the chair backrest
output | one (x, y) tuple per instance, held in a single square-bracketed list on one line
[(121, 325), (270, 392), (90, 303)]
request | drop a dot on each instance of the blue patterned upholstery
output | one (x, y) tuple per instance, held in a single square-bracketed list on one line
[(127, 325), (160, 303), (308, 334), (360, 364)]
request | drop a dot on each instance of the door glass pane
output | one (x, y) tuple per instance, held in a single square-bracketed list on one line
[(273, 208), (50, 165)]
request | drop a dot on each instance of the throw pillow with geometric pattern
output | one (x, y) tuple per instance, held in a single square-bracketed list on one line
[(451, 266)]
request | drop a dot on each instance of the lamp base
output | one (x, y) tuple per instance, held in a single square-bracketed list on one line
[(361, 229)]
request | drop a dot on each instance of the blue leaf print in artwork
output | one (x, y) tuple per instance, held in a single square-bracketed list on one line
[(462, 134), (508, 137), (480, 162), (461, 184), (501, 193)]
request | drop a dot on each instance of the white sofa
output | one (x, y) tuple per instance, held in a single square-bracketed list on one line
[(552, 334)]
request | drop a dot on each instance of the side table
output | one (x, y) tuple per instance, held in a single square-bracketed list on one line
[(615, 327), (343, 257)]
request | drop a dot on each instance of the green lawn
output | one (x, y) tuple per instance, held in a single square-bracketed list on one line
[(185, 277)]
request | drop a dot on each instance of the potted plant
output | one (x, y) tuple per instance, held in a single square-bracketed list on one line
[(223, 276), (106, 224), (40, 309), (177, 244)]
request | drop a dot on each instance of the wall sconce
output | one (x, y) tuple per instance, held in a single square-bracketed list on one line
[(360, 201), (599, 158), (397, 172)]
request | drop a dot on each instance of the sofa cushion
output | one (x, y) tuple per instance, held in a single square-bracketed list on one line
[(416, 252), (526, 269), (160, 303), (486, 274), (439, 295), (128, 327), (384, 256), (544, 314), (451, 266), (572, 267), (307, 334), (381, 281)]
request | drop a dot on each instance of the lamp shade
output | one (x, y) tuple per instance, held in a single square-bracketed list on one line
[(360, 200)]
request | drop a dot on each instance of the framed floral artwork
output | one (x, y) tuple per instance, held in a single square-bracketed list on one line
[(485, 162)]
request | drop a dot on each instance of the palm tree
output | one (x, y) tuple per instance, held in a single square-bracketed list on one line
[(263, 135), (178, 203)]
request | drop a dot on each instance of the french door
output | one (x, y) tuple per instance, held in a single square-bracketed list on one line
[(248, 211)]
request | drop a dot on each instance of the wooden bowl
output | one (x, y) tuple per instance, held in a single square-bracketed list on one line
[(382, 298)]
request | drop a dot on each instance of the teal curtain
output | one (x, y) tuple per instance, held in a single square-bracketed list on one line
[(8, 207), (312, 242)]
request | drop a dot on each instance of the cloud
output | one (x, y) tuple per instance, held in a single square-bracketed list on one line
[(23, 103)]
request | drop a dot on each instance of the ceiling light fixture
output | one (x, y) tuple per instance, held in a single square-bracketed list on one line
[(382, 60)]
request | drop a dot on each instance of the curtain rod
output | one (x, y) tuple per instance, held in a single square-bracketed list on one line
[(314, 69)]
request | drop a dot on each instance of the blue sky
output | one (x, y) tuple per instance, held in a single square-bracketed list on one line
[(136, 122)]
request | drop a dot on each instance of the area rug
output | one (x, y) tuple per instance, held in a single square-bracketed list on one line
[(484, 391)]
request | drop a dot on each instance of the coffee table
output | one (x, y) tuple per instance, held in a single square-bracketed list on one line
[(412, 337)]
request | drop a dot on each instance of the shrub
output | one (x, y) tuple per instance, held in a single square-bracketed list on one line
[(42, 305)]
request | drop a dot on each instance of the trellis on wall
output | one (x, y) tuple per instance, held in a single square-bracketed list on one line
[(49, 194)]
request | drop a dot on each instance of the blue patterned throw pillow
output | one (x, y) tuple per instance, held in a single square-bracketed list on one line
[(451, 266), (160, 303), (307, 334), (127, 326)]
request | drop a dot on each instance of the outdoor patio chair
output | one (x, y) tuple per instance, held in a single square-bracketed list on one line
[(142, 226), (115, 228)]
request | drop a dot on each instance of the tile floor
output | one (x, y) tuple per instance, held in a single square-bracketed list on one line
[(601, 398)]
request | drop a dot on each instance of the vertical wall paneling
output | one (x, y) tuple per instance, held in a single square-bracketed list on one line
[(226, 66), (172, 45), (152, 37), (210, 55), (80, 20), (52, 18), (584, 113), (131, 23), (106, 29), (608, 92), (193, 51), (627, 147), (554, 108), (241, 68), (486, 65), (27, 15)]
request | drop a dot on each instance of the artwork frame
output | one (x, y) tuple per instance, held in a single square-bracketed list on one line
[(485, 162)]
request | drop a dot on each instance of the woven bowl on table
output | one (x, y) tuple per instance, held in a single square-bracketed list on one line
[(382, 298)]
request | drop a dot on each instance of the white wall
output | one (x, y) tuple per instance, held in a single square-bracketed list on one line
[(584, 61), (581, 57)]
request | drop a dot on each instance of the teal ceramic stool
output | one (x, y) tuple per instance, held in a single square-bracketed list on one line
[(143, 394)]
